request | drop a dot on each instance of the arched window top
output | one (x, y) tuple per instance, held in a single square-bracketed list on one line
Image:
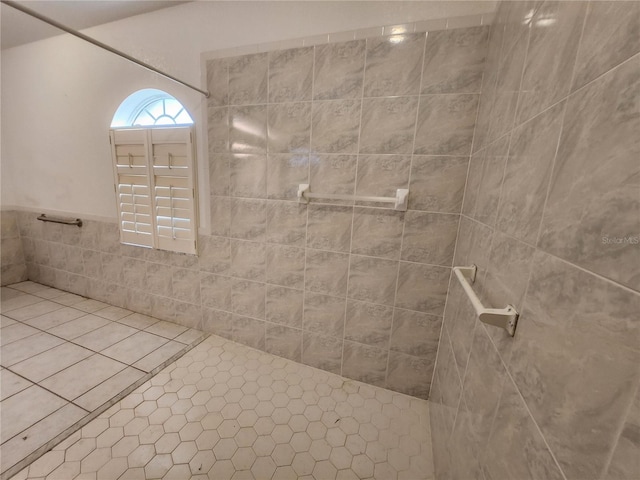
[(148, 108)]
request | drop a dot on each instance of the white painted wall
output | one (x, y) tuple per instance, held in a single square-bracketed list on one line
[(59, 94)]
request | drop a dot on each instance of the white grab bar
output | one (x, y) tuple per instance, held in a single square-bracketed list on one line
[(506, 318), (399, 201)]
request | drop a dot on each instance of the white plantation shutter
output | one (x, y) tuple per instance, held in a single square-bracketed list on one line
[(133, 192), (155, 184), (173, 179)]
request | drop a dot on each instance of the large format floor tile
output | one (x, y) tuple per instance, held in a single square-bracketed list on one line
[(226, 411), (54, 377)]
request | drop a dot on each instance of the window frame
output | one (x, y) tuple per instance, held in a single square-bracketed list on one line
[(148, 172)]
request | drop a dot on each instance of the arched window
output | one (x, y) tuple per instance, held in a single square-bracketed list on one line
[(154, 160), (148, 108)]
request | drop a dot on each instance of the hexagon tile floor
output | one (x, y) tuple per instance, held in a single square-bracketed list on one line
[(226, 411)]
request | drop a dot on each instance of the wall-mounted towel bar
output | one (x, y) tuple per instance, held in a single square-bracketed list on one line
[(506, 318), (64, 221), (399, 201)]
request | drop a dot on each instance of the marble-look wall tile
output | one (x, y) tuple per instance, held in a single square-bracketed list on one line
[(333, 174), (529, 163), (248, 129), (505, 282), (461, 322), (219, 173), (555, 297), (322, 352), (284, 341), (215, 254), (591, 217), (437, 183), (364, 363), (339, 70), (388, 124), (490, 174), (507, 88), (368, 323), (483, 381), (248, 298), (373, 279), (329, 227), (422, 287), (415, 333), (285, 265), (217, 322), (185, 285), (248, 79), (135, 271), (220, 215), (324, 314), (248, 260), (289, 127), (625, 463), (248, 219), (410, 375), (218, 81), (284, 306), (445, 124), (217, 129), (286, 223), (335, 126), (249, 331), (512, 428), (326, 272), (429, 237), (248, 175), (382, 175), (556, 27), (290, 75), (377, 233), (158, 280), (393, 65), (215, 291), (454, 60), (611, 35), (593, 403), (92, 263)]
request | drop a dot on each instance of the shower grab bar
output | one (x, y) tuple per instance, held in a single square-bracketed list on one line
[(44, 218), (506, 318), (399, 201)]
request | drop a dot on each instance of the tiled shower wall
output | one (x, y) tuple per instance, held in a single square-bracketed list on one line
[(551, 217), (14, 268), (357, 290)]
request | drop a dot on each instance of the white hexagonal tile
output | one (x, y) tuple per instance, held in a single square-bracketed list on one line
[(246, 436), (159, 416), (167, 443), (263, 445), (125, 446), (303, 463), (263, 468), (225, 449), (247, 418), (283, 455), (243, 458), (202, 462), (340, 457), (141, 456), (356, 444), (207, 440), (336, 437), (324, 470), (282, 434), (158, 466)]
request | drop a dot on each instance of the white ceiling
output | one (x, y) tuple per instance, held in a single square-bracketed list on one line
[(17, 28)]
